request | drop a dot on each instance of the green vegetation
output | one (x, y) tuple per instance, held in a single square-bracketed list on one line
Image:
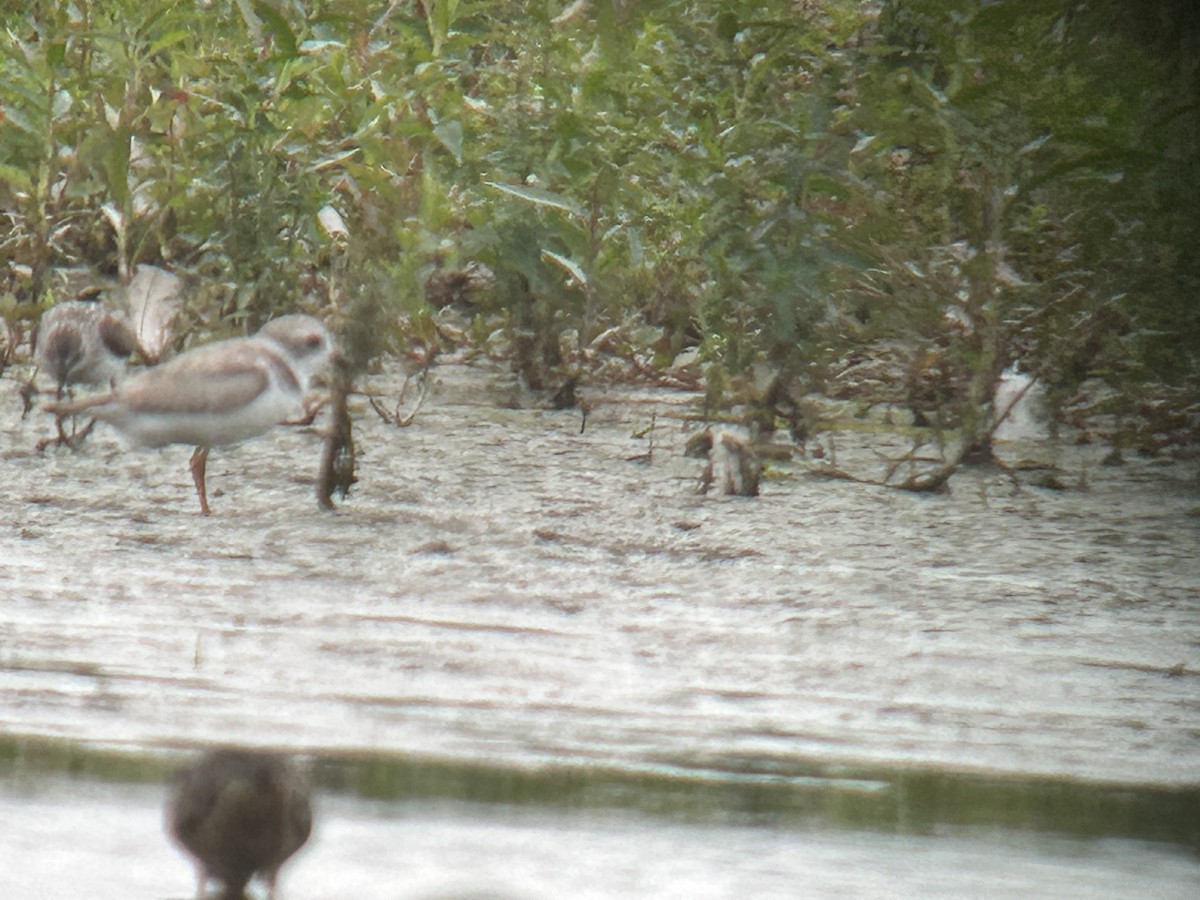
[(796, 792), (797, 192)]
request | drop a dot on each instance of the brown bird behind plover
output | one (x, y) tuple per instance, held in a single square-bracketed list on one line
[(239, 813), (81, 342)]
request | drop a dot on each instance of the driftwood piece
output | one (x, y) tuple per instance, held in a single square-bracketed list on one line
[(337, 457), (733, 464)]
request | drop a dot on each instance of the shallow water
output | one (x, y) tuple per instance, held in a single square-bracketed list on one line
[(502, 588), (417, 851)]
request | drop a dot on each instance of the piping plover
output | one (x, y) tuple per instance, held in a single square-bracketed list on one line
[(220, 393), (239, 813)]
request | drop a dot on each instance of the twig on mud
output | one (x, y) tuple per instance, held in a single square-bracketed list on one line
[(826, 471), (920, 482), (930, 482), (396, 418), (648, 456), (927, 482), (910, 457), (664, 379)]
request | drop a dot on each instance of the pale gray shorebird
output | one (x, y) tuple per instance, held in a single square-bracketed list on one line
[(81, 342), (239, 813), (220, 393)]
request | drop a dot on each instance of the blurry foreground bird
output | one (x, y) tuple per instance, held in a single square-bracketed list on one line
[(220, 393), (239, 813)]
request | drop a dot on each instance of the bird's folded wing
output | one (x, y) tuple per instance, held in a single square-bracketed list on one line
[(201, 381)]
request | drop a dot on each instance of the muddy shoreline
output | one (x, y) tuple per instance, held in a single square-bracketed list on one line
[(501, 593)]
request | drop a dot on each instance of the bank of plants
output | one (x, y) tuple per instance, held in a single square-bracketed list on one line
[(778, 195)]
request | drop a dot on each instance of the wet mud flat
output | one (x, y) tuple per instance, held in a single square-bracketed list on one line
[(502, 590)]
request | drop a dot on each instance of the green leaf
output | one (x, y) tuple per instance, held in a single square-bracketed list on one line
[(14, 116), (540, 197), (336, 160), (570, 266), (56, 53), (637, 253), (450, 135), (727, 26), (16, 177), (281, 31), (115, 165), (169, 40)]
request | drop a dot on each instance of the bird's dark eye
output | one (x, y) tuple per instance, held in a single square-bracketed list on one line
[(313, 341)]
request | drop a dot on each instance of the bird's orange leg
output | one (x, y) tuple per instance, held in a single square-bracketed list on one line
[(197, 465)]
